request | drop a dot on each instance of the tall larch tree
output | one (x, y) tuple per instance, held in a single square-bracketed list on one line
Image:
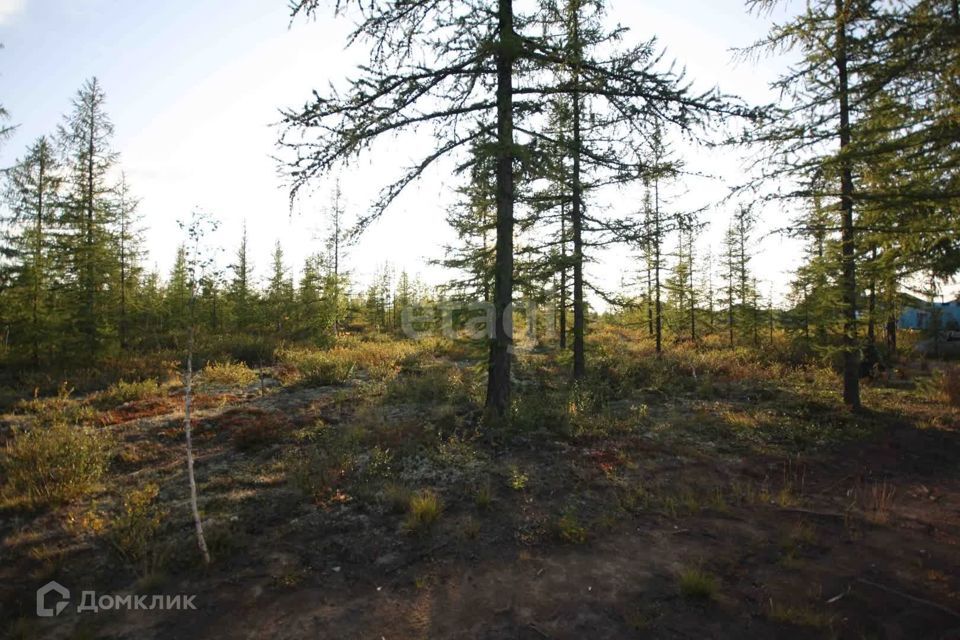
[(465, 93), (33, 198), (241, 290), (87, 213), (816, 142)]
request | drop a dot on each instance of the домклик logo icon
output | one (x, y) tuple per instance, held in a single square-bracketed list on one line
[(43, 592)]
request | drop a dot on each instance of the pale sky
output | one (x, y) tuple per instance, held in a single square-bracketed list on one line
[(193, 87)]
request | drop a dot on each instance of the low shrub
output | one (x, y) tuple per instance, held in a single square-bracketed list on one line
[(540, 411), (135, 530), (313, 367), (253, 351), (59, 409), (313, 473), (228, 373), (518, 479), (55, 464), (122, 392), (319, 467), (140, 409), (377, 360), (249, 427), (159, 366), (431, 384), (570, 530), (257, 435)]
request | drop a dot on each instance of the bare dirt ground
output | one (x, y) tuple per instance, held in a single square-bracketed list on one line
[(670, 527)]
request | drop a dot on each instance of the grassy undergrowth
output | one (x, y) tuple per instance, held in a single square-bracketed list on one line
[(394, 431)]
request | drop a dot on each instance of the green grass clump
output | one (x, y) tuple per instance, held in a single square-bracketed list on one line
[(228, 374), (697, 584), (122, 392), (483, 496), (54, 464), (423, 510)]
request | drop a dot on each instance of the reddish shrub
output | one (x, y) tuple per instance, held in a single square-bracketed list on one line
[(250, 427), (139, 409)]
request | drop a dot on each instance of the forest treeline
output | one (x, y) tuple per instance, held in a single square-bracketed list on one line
[(544, 110), (74, 289), (548, 104)]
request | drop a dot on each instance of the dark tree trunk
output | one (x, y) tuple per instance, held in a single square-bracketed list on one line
[(658, 305), (693, 306), (872, 305), (336, 265), (90, 318), (563, 276), (770, 318), (730, 298), (851, 357), (38, 258), (892, 334), (649, 300), (579, 317), (123, 274), (498, 379)]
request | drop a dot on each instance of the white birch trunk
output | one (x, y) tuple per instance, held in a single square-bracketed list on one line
[(188, 386)]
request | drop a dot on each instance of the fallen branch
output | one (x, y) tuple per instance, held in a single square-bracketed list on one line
[(907, 596)]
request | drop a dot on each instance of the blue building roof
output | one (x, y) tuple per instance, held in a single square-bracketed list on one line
[(920, 317)]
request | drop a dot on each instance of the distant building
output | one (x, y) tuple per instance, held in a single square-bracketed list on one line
[(920, 315)]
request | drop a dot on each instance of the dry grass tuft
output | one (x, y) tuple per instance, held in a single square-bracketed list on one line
[(697, 584), (423, 510)]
